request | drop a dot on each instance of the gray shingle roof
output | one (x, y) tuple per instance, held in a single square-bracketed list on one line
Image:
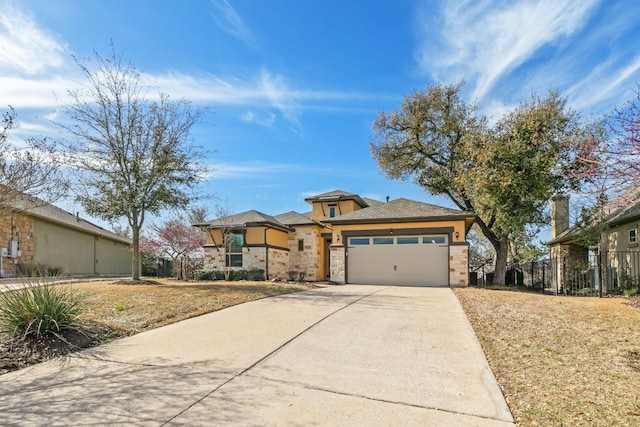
[(336, 195), (399, 210), (46, 211), (251, 217), (294, 218)]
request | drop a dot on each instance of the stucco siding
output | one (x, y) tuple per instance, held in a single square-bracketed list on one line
[(77, 252)]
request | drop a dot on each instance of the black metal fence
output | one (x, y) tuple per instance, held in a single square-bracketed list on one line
[(608, 273)]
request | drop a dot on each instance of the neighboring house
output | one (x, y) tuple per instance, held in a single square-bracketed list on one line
[(347, 239), (35, 232), (611, 265)]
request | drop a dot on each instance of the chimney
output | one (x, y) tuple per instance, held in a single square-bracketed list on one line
[(559, 214)]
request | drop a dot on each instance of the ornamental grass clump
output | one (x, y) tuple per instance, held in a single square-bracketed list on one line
[(39, 309)]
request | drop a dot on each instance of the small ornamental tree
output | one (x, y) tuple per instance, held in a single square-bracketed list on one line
[(178, 242)]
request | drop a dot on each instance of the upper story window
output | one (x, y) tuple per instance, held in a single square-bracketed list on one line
[(300, 245), (633, 235), (332, 211)]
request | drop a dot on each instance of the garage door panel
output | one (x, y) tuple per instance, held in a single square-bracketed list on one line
[(422, 264)]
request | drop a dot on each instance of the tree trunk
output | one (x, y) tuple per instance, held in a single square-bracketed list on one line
[(501, 247), (135, 256)]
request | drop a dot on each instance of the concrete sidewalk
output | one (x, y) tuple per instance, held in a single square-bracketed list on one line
[(342, 355)]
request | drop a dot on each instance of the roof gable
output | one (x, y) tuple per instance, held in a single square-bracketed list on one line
[(401, 209), (294, 218), (243, 219)]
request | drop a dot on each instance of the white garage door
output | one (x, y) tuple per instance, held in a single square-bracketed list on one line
[(398, 260)]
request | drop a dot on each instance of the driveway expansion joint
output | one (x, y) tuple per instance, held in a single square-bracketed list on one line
[(271, 353), (373, 399)]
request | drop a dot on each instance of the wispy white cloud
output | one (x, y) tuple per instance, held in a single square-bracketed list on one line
[(613, 79), (37, 70), (482, 41), (26, 48), (232, 23), (247, 170), (266, 120)]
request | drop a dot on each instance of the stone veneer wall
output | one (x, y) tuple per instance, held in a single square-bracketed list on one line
[(213, 258), (22, 232), (252, 257), (337, 263), (307, 260), (278, 264), (459, 265)]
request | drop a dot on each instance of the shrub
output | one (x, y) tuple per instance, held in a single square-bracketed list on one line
[(37, 270), (39, 309), (255, 274), (234, 275)]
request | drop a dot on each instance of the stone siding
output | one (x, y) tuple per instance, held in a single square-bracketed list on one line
[(459, 265), (278, 264), (337, 263), (252, 258), (22, 233), (307, 260)]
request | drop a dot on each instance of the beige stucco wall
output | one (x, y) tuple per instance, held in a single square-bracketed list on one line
[(78, 252), (253, 236), (457, 225), (320, 210)]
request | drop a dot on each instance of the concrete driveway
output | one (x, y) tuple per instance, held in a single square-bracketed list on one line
[(340, 355)]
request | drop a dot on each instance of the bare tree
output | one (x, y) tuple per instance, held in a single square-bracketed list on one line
[(34, 168), (134, 154)]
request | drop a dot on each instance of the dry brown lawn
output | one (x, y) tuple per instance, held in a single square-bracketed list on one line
[(560, 361), (114, 310), (136, 308)]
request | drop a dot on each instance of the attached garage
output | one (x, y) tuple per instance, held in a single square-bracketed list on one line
[(408, 260), (401, 242)]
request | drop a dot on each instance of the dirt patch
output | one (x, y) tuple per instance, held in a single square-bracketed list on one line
[(561, 361), (115, 309)]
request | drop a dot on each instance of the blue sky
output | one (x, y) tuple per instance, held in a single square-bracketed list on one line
[(293, 86)]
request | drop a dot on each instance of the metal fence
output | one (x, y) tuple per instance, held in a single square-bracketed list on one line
[(607, 273)]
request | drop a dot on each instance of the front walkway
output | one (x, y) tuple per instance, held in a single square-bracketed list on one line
[(341, 355)]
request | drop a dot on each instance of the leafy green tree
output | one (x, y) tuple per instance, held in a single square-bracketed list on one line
[(134, 153), (505, 173)]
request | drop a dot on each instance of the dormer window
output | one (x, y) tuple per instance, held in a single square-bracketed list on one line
[(332, 211)]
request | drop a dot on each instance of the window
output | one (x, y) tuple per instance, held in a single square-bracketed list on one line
[(233, 249), (383, 240), (633, 235), (407, 240), (433, 240), (332, 211), (300, 245), (359, 241)]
